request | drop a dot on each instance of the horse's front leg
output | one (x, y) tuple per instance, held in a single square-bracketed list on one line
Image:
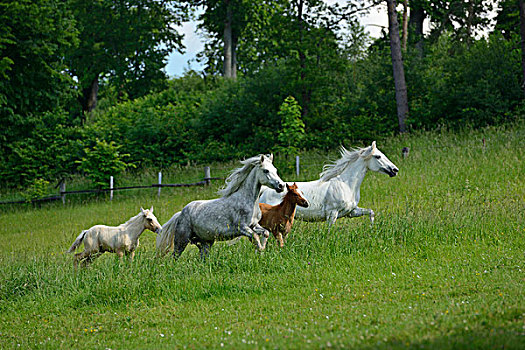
[(280, 239), (120, 254), (264, 235), (331, 217), (245, 230), (356, 212)]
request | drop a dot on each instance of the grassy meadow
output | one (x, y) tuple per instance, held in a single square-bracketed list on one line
[(442, 267)]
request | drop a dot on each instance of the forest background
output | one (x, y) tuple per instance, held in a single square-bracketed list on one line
[(83, 83)]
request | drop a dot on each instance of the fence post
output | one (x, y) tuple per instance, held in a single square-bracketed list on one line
[(160, 182), (111, 188), (297, 165), (207, 175), (405, 152), (63, 191)]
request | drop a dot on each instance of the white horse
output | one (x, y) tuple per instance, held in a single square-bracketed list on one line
[(235, 214), (122, 239), (336, 194)]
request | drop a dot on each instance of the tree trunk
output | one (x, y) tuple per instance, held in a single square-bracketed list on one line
[(235, 40), (228, 42), (415, 25), (522, 32), (88, 100), (470, 18), (405, 25), (397, 65), (305, 93)]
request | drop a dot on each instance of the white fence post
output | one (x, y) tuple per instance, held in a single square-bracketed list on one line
[(207, 175), (160, 182), (297, 165), (62, 191), (111, 188)]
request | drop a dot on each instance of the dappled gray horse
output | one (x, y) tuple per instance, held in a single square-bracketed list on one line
[(235, 214)]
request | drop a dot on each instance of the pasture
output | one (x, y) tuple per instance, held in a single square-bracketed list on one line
[(442, 267)]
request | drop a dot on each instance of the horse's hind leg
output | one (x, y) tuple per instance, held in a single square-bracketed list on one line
[(280, 239), (356, 212), (204, 248), (90, 259), (179, 247), (80, 256)]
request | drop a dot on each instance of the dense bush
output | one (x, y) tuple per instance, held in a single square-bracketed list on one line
[(202, 119)]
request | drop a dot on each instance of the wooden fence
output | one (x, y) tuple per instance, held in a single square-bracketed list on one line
[(62, 188)]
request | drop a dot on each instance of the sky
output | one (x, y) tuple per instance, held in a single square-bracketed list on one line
[(179, 63)]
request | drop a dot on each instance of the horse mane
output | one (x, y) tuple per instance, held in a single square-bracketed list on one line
[(347, 157), (237, 177), (133, 219)]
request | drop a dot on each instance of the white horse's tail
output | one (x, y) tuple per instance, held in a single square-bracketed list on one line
[(166, 235), (77, 242)]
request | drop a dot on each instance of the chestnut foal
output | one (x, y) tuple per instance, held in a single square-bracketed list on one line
[(278, 219)]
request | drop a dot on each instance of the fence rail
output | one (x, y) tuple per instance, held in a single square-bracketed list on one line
[(62, 193), (204, 182)]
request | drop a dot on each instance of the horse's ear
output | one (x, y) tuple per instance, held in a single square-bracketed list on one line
[(288, 187), (271, 157), (374, 145), (262, 158), (142, 210), (151, 209)]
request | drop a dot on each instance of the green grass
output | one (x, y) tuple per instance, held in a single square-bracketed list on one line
[(442, 267)]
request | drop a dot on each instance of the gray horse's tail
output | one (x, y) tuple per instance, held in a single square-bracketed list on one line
[(77, 242), (166, 235)]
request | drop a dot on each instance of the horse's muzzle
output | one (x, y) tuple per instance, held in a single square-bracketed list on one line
[(392, 172)]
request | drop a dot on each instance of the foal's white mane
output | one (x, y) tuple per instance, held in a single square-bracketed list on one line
[(134, 219), (237, 177), (347, 157)]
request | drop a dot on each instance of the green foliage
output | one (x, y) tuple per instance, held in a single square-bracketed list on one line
[(457, 85), (48, 150), (102, 161), (53, 51), (291, 134), (34, 38), (124, 44), (37, 190)]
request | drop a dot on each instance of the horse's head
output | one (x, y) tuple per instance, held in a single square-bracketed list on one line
[(267, 174), (296, 195), (377, 161), (150, 221)]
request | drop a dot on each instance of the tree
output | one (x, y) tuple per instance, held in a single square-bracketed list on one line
[(225, 21), (415, 24), (397, 66), (292, 127), (35, 36), (522, 34), (124, 43), (464, 19)]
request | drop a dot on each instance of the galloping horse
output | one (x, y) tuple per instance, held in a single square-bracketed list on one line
[(122, 239), (336, 194), (235, 214), (278, 219)]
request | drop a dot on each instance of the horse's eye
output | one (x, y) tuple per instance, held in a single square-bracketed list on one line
[(266, 171), (149, 219), (377, 156)]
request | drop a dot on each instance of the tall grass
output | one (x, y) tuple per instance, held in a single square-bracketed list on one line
[(442, 267)]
